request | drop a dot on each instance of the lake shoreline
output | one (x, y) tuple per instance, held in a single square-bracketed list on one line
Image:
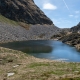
[(49, 49), (72, 39), (29, 67)]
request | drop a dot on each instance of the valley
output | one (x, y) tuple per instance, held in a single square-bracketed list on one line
[(32, 47)]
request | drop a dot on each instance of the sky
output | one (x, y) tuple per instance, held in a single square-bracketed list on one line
[(63, 13)]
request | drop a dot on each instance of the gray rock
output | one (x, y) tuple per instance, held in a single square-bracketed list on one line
[(18, 33)]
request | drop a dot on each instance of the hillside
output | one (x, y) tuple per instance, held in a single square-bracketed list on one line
[(16, 65), (11, 32), (76, 28), (23, 11), (73, 38), (23, 20)]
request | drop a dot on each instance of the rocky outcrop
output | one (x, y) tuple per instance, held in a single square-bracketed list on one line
[(72, 39), (23, 11), (76, 28)]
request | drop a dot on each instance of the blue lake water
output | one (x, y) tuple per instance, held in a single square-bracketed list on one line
[(48, 49), (60, 51)]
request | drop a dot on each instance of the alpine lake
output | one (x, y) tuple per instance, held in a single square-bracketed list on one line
[(46, 49)]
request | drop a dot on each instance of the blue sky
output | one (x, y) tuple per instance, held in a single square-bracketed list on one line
[(63, 13)]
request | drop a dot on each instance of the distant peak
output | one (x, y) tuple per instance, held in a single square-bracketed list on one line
[(79, 23)]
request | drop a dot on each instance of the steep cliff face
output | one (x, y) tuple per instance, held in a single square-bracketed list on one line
[(23, 11)]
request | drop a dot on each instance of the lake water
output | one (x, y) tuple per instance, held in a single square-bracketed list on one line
[(48, 49)]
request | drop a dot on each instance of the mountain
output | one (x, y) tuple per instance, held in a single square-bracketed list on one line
[(23, 11), (73, 37), (76, 28), (14, 14)]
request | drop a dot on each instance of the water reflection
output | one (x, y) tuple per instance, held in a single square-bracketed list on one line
[(29, 46), (55, 50)]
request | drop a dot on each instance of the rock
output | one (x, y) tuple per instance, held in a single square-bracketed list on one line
[(23, 11), (15, 66), (72, 39), (10, 74), (10, 33), (76, 28)]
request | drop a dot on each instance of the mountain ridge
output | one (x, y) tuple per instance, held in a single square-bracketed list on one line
[(76, 28), (23, 11), (22, 20)]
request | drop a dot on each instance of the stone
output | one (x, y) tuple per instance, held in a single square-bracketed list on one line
[(10, 74)]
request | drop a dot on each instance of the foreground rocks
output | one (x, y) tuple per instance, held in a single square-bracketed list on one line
[(23, 11)]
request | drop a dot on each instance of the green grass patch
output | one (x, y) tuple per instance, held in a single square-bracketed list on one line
[(8, 21), (46, 74), (14, 23), (71, 79), (32, 65)]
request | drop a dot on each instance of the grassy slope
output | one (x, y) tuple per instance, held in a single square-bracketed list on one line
[(13, 23), (8, 21), (31, 68)]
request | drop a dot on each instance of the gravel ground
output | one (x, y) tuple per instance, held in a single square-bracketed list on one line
[(18, 33)]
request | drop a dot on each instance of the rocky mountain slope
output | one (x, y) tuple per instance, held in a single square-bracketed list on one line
[(34, 32), (73, 38), (76, 28), (23, 11), (14, 14)]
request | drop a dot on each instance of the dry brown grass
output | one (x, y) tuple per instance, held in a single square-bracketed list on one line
[(26, 26), (31, 68)]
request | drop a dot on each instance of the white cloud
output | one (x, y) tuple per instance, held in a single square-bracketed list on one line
[(76, 16), (71, 15), (77, 12), (49, 6)]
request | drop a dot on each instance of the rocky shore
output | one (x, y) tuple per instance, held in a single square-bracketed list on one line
[(72, 39)]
